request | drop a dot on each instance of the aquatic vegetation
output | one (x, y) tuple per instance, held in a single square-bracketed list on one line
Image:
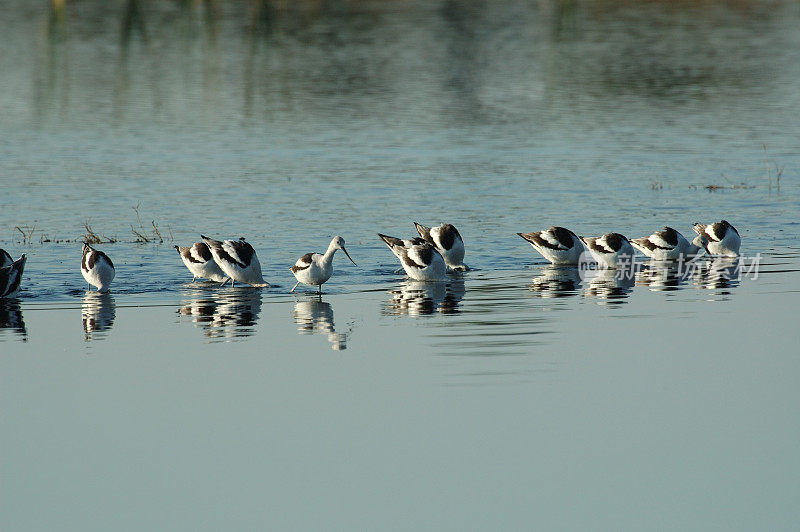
[(778, 170), (144, 235), (26, 232), (91, 237)]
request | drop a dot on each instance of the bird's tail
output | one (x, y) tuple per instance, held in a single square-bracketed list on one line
[(390, 240), (424, 232)]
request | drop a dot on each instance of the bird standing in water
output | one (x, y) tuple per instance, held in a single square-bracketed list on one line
[(314, 269), (447, 241), (238, 260), (97, 268)]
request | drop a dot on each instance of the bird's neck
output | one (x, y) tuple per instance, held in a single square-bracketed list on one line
[(328, 256)]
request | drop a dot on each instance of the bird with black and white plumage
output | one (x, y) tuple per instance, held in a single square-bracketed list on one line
[(419, 259), (723, 238), (97, 268), (5, 259), (669, 244), (447, 241), (199, 260), (11, 277), (612, 250), (314, 269), (558, 245), (238, 260)]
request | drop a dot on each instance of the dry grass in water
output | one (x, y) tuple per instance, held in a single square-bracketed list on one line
[(143, 234), (778, 170), (27, 233), (712, 187), (93, 238)]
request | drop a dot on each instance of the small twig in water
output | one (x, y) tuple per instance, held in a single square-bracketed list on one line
[(144, 235), (140, 235), (93, 238), (27, 237), (138, 218), (766, 162), (156, 232)]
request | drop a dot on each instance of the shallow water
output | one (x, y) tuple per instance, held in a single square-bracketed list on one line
[(515, 393)]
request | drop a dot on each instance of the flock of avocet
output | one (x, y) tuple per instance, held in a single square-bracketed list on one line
[(424, 258)]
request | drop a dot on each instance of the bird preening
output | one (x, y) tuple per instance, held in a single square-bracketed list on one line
[(562, 247), (10, 274), (238, 260), (97, 268)]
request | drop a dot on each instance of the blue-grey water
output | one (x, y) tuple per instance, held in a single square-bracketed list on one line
[(514, 396)]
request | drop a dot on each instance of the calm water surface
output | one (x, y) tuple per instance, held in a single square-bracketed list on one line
[(514, 395)]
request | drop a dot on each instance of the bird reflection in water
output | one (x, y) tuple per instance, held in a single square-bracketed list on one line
[(610, 287), (419, 298), (11, 318), (314, 316), (97, 313), (662, 276), (224, 315), (718, 273), (556, 281)]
